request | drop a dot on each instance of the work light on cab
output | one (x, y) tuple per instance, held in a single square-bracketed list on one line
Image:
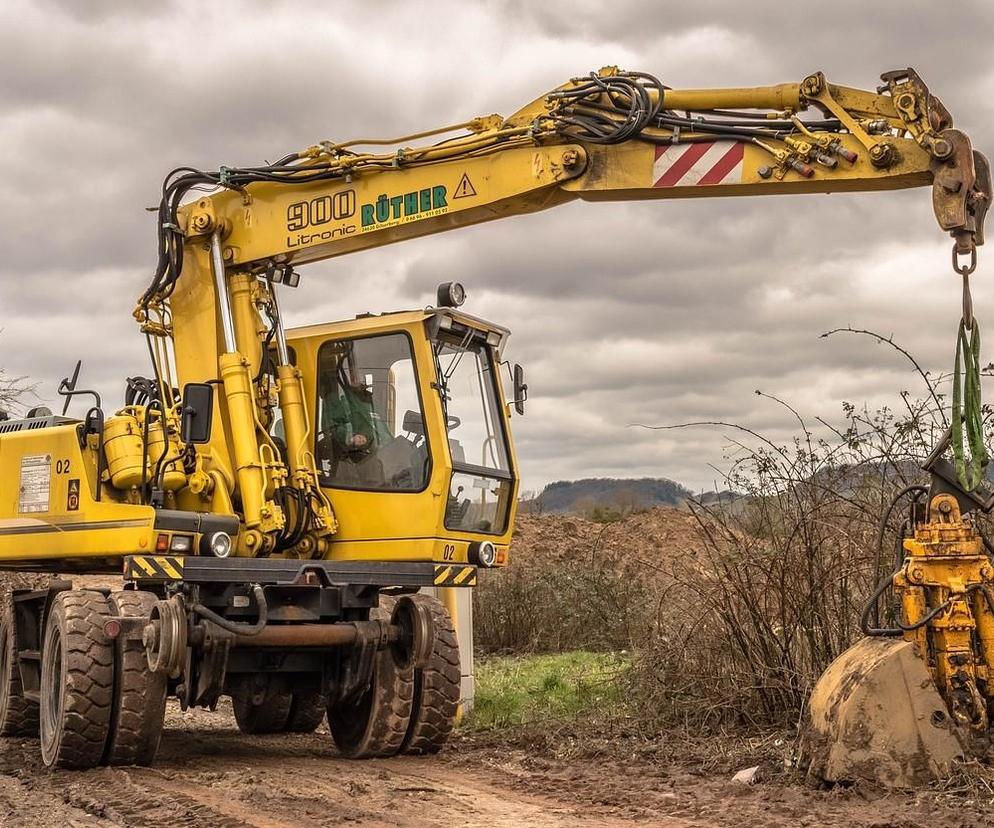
[(451, 295)]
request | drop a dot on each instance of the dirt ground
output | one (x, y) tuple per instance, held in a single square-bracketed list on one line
[(208, 775)]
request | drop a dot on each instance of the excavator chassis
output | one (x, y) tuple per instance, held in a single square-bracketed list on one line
[(285, 639)]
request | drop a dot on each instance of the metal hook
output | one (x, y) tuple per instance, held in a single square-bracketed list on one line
[(965, 270)]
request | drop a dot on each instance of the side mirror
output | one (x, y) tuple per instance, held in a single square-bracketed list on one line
[(520, 389), (197, 413)]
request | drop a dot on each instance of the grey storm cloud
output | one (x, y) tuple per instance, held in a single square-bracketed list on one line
[(654, 312)]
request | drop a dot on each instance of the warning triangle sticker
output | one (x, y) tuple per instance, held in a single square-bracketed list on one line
[(465, 187)]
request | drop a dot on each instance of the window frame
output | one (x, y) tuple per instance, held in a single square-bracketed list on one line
[(429, 471), (501, 420), (472, 469)]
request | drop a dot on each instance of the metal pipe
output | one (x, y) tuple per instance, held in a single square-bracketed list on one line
[(223, 303), (282, 352), (301, 635), (785, 96)]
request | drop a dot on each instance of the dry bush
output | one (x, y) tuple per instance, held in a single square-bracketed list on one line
[(777, 591), (737, 623), (587, 598)]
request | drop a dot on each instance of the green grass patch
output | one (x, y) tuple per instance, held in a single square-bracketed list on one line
[(521, 690)]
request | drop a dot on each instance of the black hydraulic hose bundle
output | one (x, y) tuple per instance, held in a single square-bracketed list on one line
[(872, 606), (633, 107)]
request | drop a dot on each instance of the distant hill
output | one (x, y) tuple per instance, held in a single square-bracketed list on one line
[(625, 496)]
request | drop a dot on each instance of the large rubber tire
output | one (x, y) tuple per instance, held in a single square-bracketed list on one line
[(437, 687), (18, 715), (375, 724), (270, 714), (307, 711), (77, 681), (139, 694)]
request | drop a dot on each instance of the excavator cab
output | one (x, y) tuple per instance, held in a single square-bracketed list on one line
[(410, 434)]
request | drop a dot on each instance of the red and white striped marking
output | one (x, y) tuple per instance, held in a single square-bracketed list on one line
[(698, 165)]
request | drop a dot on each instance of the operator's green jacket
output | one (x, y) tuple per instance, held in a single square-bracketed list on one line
[(349, 413)]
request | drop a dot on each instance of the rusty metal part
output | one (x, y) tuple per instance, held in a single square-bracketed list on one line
[(919, 108), (955, 196), (320, 635), (875, 716), (205, 687), (129, 627), (165, 637), (416, 633), (967, 296)]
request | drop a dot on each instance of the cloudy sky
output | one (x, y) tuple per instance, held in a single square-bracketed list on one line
[(653, 312)]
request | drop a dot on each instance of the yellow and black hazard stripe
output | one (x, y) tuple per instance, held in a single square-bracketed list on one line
[(154, 567), (455, 575)]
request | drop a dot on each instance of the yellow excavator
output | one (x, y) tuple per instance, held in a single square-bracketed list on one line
[(278, 499)]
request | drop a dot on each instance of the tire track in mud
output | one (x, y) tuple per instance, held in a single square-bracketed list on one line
[(140, 806), (217, 778)]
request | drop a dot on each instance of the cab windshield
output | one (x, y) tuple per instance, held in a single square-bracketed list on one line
[(480, 490)]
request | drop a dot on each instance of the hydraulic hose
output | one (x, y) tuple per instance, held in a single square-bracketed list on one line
[(871, 607), (919, 490), (233, 626)]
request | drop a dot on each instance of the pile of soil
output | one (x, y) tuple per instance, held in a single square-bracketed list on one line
[(653, 536)]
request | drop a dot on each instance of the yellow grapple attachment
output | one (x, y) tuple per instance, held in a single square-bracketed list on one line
[(899, 710)]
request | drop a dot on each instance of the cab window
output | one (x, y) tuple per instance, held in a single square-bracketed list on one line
[(482, 485), (370, 422)]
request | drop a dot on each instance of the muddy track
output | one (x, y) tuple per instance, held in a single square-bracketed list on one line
[(208, 775)]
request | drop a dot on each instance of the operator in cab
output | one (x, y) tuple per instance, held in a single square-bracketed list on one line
[(352, 425)]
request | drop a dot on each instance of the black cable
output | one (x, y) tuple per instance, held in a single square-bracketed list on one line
[(152, 405), (633, 107), (919, 490), (871, 607), (233, 626)]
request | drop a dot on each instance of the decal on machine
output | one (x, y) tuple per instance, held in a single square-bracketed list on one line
[(317, 213), (72, 496), (36, 483), (465, 189), (698, 165), (400, 209)]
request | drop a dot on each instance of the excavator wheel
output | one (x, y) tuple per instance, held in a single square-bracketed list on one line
[(262, 709), (18, 715), (139, 694), (436, 686), (375, 723), (875, 715), (307, 711), (77, 681)]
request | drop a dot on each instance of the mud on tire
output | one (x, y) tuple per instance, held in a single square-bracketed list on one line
[(307, 711), (267, 714), (437, 687), (77, 681), (139, 705), (18, 715), (375, 724)]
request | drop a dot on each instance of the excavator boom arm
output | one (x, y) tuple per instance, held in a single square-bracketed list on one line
[(610, 136)]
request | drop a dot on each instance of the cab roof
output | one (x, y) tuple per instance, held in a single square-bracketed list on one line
[(372, 322)]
